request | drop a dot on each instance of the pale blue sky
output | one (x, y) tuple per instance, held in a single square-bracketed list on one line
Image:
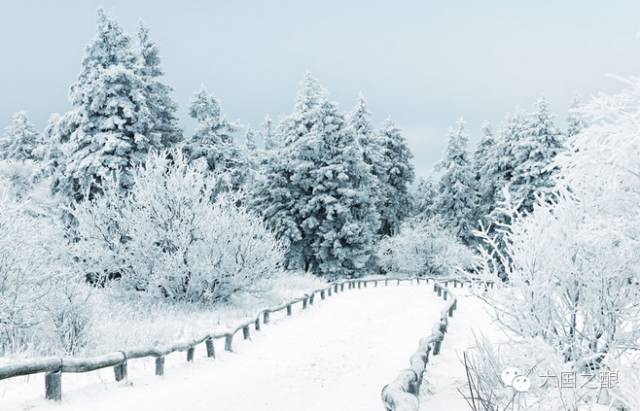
[(424, 63)]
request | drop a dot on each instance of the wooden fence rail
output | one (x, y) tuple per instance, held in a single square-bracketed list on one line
[(54, 367), (402, 393)]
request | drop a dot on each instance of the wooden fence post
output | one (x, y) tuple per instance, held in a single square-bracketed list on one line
[(359, 284), (451, 310), (245, 332), (329, 291), (266, 317), (160, 366), (305, 301), (444, 295), (120, 370), (322, 294), (398, 281), (256, 324), (228, 341), (342, 287), (190, 352), (53, 385), (365, 284), (211, 349), (375, 283), (386, 283), (311, 298), (289, 312), (436, 346)]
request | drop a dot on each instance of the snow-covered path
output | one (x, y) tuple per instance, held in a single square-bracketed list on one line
[(336, 355), (445, 373)]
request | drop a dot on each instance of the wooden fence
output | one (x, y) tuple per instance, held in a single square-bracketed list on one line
[(54, 367), (402, 394)]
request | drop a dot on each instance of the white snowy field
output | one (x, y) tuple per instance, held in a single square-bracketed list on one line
[(336, 355)]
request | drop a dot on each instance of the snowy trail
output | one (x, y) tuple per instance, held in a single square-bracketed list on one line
[(445, 373), (336, 355)]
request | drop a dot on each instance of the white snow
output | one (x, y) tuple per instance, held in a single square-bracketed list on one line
[(446, 373), (336, 355)]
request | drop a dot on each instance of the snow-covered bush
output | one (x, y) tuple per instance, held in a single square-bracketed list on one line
[(492, 369), (574, 263), (423, 247), (31, 274), (19, 174), (166, 238)]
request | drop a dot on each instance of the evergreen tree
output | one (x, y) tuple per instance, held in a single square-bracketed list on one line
[(21, 139), (268, 139), (162, 107), (316, 191), (541, 141), (211, 148), (486, 172), (576, 121), (109, 130), (456, 202), (396, 177), (425, 198), (249, 141)]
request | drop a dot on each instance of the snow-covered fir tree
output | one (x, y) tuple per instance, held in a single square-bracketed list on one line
[(576, 121), (456, 201), (359, 123), (249, 143), (396, 177), (110, 128), (316, 194), (486, 172), (266, 133), (540, 142), (211, 148), (163, 108), (21, 140), (424, 198)]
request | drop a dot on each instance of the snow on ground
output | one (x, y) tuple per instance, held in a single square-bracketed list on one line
[(336, 355), (445, 372)]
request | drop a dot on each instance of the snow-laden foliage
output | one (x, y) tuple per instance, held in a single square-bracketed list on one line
[(112, 125), (456, 202), (424, 198), (211, 148), (21, 140), (316, 192), (166, 239), (486, 172), (397, 175), (34, 281), (163, 109), (423, 247), (486, 363), (573, 263), (540, 142), (576, 121)]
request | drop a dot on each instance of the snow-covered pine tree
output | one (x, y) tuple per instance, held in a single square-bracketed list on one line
[(268, 139), (396, 177), (316, 194), (109, 130), (359, 123), (541, 141), (425, 198), (163, 108), (456, 201), (21, 139), (576, 121), (212, 148), (249, 140), (486, 172)]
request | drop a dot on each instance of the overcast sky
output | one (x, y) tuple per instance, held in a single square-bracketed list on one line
[(423, 63)]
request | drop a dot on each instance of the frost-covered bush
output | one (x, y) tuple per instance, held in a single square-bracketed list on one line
[(166, 239), (492, 369), (32, 275), (574, 263), (423, 247), (19, 174)]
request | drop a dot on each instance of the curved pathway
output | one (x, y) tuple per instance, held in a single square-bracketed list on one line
[(336, 355)]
